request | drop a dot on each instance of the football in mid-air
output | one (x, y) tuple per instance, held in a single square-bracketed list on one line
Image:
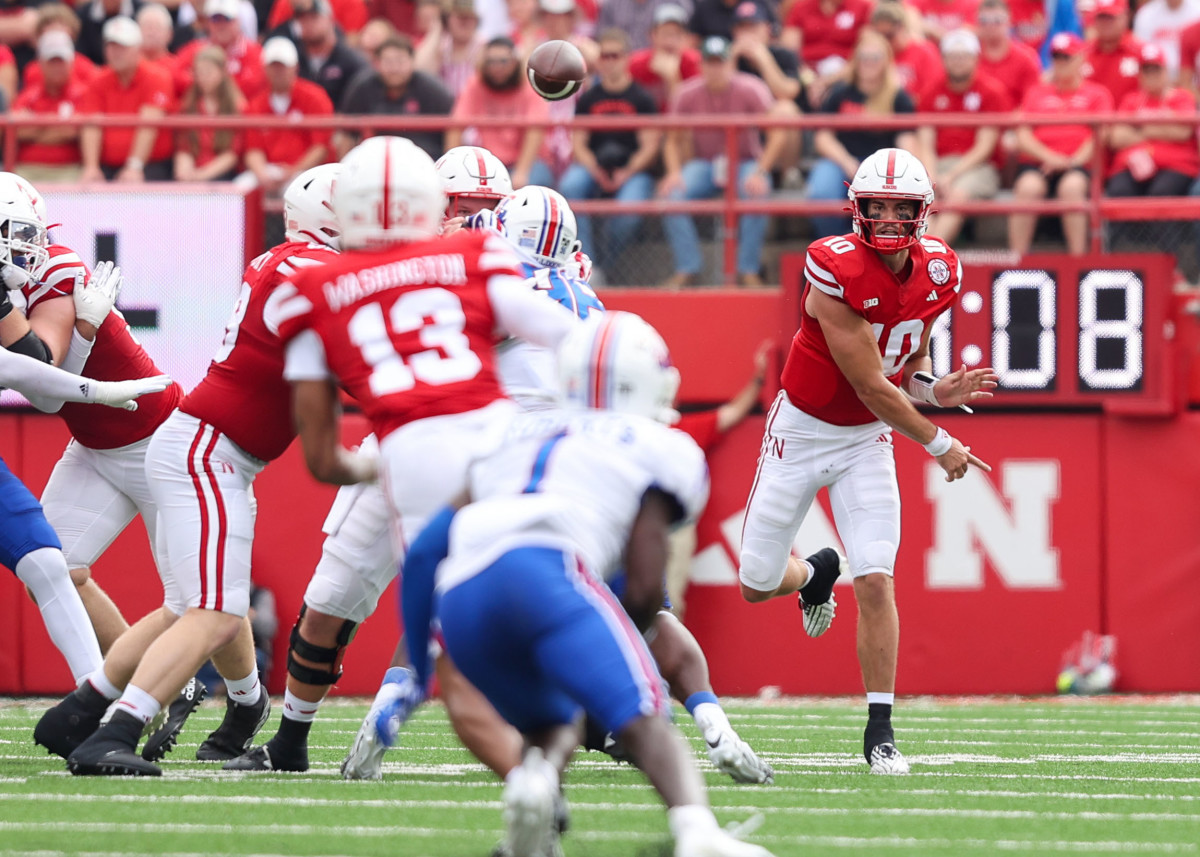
[(556, 69)]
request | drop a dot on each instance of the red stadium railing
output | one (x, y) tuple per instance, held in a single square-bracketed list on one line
[(728, 206)]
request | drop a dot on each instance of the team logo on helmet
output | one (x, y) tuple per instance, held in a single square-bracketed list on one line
[(939, 271)]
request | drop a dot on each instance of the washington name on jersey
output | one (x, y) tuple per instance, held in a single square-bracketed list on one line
[(899, 307), (572, 480), (116, 356), (244, 394)]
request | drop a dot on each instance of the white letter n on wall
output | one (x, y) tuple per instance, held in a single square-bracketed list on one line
[(971, 519)]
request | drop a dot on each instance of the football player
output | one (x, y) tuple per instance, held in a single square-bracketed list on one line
[(571, 497), (29, 547), (201, 464), (869, 303), (99, 484)]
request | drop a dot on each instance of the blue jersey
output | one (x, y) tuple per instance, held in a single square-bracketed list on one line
[(570, 291), (23, 526)]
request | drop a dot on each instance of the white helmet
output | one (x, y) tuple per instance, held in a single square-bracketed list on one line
[(388, 193), (540, 222), (616, 361), (307, 207), (472, 172), (890, 174), (35, 197), (23, 241)]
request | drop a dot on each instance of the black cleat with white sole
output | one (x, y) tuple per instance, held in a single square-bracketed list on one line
[(235, 735), (817, 603), (181, 708)]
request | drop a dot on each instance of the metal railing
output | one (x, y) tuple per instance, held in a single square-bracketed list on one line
[(727, 206)]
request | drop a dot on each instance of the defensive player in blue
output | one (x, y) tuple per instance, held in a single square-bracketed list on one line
[(516, 578), (29, 547)]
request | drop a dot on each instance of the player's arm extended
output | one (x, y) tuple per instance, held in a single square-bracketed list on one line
[(32, 377), (853, 346), (317, 413), (646, 557)]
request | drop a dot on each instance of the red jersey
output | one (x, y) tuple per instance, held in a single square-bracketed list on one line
[(640, 70), (1017, 71), (243, 395), (1178, 155), (83, 71), (828, 35), (409, 331), (1115, 70), (150, 86), (243, 61), (36, 100), (1048, 98), (116, 356), (915, 61), (947, 15), (983, 95), (900, 310), (1189, 55), (1029, 23)]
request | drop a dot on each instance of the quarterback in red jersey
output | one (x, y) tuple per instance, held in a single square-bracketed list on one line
[(201, 464), (870, 302)]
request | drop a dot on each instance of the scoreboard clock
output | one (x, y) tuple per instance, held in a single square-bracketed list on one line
[(1061, 332)]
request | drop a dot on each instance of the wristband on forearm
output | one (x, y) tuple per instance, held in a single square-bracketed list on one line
[(920, 388), (940, 444)]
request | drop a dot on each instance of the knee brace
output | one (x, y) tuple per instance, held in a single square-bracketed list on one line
[(331, 656), (32, 346)]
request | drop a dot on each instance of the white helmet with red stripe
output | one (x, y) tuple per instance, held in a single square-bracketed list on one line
[(35, 197), (388, 193), (23, 239), (308, 207), (472, 172), (891, 174), (540, 222), (616, 361)]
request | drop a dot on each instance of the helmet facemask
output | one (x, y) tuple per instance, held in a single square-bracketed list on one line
[(23, 244), (910, 231)]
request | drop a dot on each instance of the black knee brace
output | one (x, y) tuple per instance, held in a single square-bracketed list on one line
[(329, 655), (32, 346)]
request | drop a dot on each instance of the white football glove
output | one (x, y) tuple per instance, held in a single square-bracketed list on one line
[(121, 394), (14, 277), (95, 299), (361, 464), (581, 266)]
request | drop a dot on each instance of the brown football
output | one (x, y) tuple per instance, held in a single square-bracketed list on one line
[(556, 70)]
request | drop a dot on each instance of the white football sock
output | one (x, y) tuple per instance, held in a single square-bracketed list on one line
[(244, 691), (140, 704), (46, 574), (103, 686), (690, 820), (300, 710), (885, 698), (709, 715)]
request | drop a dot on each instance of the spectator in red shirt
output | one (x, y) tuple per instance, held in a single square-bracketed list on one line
[(207, 154), (129, 86), (450, 50), (350, 15), (275, 156), (158, 31), (500, 90), (1153, 158), (1189, 58), (962, 169), (1055, 158), (1112, 54), (819, 29), (669, 60), (1011, 63), (243, 55), (401, 13), (913, 56), (60, 16), (50, 154), (1029, 23), (941, 16)]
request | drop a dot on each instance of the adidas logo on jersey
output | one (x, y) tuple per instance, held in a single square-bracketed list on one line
[(932, 295)]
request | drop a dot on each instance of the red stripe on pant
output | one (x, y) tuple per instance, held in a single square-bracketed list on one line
[(222, 525), (199, 485)]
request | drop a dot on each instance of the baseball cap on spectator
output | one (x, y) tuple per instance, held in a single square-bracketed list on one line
[(557, 7), (749, 12), (1111, 7), (227, 8), (122, 30), (1066, 44), (961, 41), (55, 45), (671, 13), (1149, 55), (715, 47), (303, 7), (281, 50)]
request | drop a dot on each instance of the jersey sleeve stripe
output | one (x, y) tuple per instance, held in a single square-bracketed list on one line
[(829, 286), (810, 262), (43, 291), (958, 276)]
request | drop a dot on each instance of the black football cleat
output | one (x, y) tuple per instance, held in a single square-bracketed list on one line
[(235, 735), (264, 759), (817, 603), (112, 751), (72, 721), (164, 738)]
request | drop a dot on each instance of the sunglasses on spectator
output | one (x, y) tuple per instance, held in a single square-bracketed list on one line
[(499, 60), (991, 19), (1061, 56)]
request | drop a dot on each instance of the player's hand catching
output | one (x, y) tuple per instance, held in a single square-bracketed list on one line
[(95, 299), (121, 394), (13, 276), (965, 386), (956, 461)]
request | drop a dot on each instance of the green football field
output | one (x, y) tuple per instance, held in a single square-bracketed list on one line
[(1118, 775)]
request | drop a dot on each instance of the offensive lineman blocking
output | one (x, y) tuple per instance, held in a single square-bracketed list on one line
[(869, 302)]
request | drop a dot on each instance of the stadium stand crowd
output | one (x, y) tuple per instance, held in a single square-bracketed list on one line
[(464, 59)]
